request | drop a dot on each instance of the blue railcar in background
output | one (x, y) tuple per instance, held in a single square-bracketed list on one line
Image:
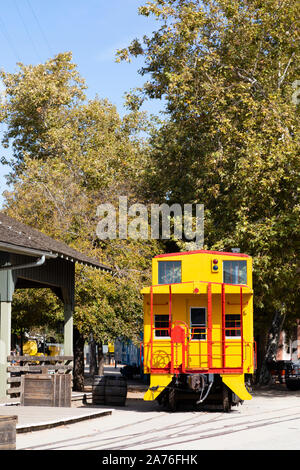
[(130, 356)]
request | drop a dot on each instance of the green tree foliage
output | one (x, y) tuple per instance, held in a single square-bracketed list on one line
[(69, 156), (36, 308), (230, 138), (39, 101)]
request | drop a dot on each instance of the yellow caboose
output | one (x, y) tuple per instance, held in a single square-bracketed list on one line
[(198, 328)]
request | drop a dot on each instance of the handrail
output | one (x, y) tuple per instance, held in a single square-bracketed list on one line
[(202, 282), (203, 357), (205, 330)]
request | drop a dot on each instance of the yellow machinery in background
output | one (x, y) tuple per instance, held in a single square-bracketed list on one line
[(30, 348), (198, 328)]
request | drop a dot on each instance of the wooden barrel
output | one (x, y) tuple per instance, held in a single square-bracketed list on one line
[(115, 390), (109, 390), (8, 432), (98, 390)]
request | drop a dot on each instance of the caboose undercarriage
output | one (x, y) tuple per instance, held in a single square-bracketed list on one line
[(203, 391)]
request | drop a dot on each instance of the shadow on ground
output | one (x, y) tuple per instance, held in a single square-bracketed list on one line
[(137, 388), (274, 391)]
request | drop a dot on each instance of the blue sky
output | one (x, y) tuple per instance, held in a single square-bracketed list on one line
[(31, 31)]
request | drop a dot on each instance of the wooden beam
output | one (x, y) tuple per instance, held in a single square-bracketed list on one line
[(32, 368), (5, 344), (40, 358)]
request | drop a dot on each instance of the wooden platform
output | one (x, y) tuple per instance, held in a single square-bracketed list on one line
[(35, 418)]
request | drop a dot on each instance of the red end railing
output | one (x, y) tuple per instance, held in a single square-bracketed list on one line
[(177, 338)]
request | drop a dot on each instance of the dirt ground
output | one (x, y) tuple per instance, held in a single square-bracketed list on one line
[(270, 421)]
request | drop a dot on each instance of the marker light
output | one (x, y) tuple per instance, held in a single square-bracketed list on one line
[(214, 265)]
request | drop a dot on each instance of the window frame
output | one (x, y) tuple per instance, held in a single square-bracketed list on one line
[(158, 272), (239, 337), (199, 326), (226, 272), (167, 337)]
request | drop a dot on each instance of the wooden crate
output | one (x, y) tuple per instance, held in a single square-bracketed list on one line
[(34, 365), (46, 390), (8, 432)]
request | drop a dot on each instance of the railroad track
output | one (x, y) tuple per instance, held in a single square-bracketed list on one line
[(61, 444), (174, 437), (179, 430)]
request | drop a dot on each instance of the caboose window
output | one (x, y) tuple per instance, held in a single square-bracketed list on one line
[(232, 325), (235, 272), (169, 272), (161, 325), (198, 323)]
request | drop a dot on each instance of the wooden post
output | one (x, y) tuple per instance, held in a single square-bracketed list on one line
[(68, 330), (5, 344), (7, 287)]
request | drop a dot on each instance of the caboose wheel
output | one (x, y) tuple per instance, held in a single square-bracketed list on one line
[(226, 399)]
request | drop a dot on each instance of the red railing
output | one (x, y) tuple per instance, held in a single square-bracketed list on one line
[(186, 338)]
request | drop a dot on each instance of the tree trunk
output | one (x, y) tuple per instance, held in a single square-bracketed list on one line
[(271, 349), (93, 357), (100, 359), (261, 339), (22, 342), (78, 370)]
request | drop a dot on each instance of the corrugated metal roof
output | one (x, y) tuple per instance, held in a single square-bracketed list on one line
[(18, 236)]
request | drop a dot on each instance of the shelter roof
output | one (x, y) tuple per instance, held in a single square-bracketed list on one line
[(21, 238)]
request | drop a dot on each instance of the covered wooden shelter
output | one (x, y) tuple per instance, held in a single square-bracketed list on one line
[(31, 259)]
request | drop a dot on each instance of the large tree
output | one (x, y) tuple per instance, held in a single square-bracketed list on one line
[(69, 156), (226, 70)]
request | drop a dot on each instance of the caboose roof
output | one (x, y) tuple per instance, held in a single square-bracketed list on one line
[(222, 253)]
